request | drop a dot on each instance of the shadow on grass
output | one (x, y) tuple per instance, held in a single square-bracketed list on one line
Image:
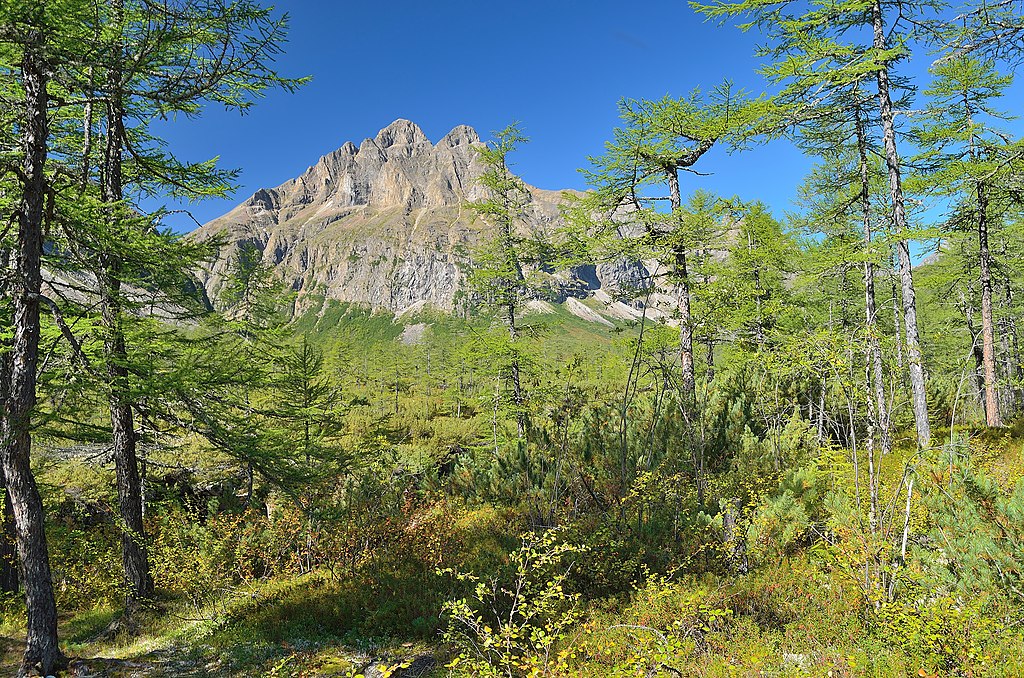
[(355, 619)]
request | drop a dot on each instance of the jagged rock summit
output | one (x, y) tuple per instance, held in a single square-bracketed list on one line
[(384, 223)]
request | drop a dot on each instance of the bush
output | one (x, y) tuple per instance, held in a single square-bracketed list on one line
[(944, 634), (513, 624)]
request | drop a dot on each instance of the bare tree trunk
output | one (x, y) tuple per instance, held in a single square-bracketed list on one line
[(733, 539), (918, 395), (8, 534), (1011, 352), (877, 410), (709, 374), (124, 442), (87, 120), (820, 421), (689, 380), (988, 341), (517, 387), (41, 647), (897, 316), (511, 299), (976, 352)]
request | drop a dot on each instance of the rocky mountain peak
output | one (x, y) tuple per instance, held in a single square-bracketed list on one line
[(401, 133), (384, 223), (463, 135)]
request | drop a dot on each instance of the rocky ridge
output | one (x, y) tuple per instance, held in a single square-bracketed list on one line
[(384, 224)]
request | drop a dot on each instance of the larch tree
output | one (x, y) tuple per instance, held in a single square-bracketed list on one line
[(157, 60), (497, 275), (838, 130), (34, 39), (967, 158), (657, 141), (821, 47)]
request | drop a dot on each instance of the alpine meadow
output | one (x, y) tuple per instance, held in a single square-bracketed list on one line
[(407, 415)]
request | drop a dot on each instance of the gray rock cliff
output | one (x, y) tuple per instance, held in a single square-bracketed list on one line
[(384, 223)]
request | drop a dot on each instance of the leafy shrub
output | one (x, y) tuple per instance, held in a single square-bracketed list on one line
[(943, 633), (513, 624)]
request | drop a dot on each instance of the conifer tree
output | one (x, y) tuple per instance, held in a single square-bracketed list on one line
[(816, 49), (306, 403), (968, 159), (839, 132), (498, 267), (156, 60), (657, 141), (758, 260), (34, 38)]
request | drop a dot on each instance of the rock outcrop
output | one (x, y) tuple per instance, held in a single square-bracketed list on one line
[(384, 223)]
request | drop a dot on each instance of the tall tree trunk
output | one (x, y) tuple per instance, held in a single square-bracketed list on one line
[(877, 411), (125, 440), (41, 647), (1011, 351), (511, 292), (897, 314), (517, 386), (988, 341), (689, 381), (8, 533), (918, 396), (125, 448), (87, 120), (976, 352), (1008, 395), (9, 580), (709, 366)]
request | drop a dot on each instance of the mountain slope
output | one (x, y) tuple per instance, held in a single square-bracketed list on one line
[(384, 223)]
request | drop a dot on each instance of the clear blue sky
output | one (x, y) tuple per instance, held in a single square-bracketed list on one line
[(559, 67)]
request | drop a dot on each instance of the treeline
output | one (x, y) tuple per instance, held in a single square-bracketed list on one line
[(759, 401)]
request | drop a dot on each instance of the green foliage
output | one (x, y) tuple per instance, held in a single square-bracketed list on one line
[(311, 478), (977, 527), (251, 292), (786, 517), (947, 635), (513, 624)]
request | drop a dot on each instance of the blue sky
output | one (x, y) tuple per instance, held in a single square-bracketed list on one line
[(558, 67)]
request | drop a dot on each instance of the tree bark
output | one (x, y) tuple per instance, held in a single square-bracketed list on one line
[(8, 534), (41, 647), (988, 341), (9, 580), (1011, 351), (877, 410), (918, 396), (878, 419), (517, 387), (689, 381), (897, 314), (511, 294), (976, 352)]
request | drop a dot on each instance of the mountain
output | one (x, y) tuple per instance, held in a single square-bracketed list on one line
[(383, 224)]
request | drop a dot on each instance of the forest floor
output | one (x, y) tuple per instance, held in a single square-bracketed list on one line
[(802, 614), (260, 631), (321, 658)]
